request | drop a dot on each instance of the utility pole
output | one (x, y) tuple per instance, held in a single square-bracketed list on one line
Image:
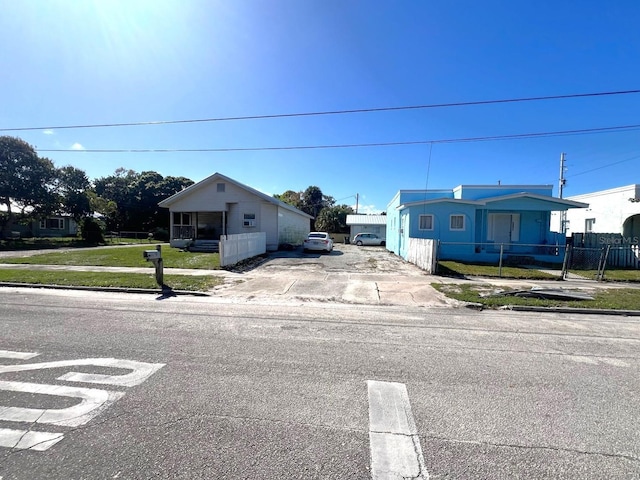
[(563, 214), (357, 198), (562, 180)]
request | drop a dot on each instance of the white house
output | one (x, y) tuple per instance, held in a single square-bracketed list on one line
[(367, 223), (219, 205), (616, 210)]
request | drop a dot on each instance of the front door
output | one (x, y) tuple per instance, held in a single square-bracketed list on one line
[(504, 228)]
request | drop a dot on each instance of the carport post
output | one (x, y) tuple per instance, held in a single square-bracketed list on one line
[(500, 264)]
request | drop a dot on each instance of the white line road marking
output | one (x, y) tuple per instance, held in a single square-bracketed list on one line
[(393, 436), (17, 356), (614, 362), (141, 370), (25, 440), (93, 402)]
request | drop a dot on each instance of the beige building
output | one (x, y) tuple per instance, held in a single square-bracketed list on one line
[(219, 205)]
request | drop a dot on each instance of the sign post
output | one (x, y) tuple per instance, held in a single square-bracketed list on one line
[(155, 256)]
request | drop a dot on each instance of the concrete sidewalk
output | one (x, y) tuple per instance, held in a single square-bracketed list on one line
[(286, 286), (350, 275)]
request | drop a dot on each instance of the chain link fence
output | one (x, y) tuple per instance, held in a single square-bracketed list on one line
[(599, 259), (543, 256)]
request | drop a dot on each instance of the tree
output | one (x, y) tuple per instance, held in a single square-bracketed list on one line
[(333, 219), (73, 188), (136, 197), (106, 208), (314, 200), (116, 188), (291, 198), (27, 183)]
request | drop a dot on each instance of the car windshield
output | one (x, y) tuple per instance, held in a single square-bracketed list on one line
[(317, 235)]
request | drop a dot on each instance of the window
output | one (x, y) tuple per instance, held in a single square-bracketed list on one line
[(181, 218), (249, 220), (426, 222), (52, 224), (456, 222), (588, 225), (220, 187)]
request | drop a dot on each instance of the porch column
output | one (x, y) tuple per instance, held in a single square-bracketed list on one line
[(170, 225), (224, 222)]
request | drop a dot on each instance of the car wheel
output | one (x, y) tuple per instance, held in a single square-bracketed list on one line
[(359, 243), (383, 243)]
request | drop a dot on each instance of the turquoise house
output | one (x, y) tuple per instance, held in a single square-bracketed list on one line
[(473, 223)]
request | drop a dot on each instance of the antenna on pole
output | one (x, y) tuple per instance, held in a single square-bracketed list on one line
[(561, 184), (562, 169)]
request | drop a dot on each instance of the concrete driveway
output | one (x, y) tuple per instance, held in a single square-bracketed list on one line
[(349, 274)]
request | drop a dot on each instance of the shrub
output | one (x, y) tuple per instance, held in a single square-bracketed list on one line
[(160, 234), (92, 230)]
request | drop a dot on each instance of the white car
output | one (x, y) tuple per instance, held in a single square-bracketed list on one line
[(318, 241), (368, 239)]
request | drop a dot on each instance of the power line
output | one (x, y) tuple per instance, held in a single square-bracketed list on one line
[(604, 166), (518, 136), (329, 112)]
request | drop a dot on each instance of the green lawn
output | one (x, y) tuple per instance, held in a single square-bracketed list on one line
[(122, 257), (614, 298), (53, 243), (36, 243), (200, 283), (611, 275), (450, 268)]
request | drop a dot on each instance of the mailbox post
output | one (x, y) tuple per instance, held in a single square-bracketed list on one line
[(155, 256)]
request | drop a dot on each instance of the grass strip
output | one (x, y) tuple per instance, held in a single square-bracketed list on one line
[(625, 275), (53, 243), (199, 283), (612, 298), (450, 268), (121, 257)]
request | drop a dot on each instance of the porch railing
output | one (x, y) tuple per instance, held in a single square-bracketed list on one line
[(181, 232)]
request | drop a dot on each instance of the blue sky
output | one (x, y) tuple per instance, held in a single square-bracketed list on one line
[(119, 61)]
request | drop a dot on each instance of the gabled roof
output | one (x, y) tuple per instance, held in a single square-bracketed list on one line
[(366, 219), (210, 180)]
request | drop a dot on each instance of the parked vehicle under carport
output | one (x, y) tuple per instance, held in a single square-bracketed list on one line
[(368, 239)]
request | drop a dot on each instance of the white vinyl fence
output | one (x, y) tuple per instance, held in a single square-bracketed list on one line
[(422, 252), (235, 248)]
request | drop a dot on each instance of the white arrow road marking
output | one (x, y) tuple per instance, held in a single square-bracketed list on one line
[(25, 440), (93, 402), (17, 356), (141, 370), (393, 436)]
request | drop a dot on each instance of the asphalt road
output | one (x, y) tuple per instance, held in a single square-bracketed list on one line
[(221, 390)]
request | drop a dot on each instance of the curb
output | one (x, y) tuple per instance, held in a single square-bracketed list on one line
[(168, 293), (586, 311), (590, 311)]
